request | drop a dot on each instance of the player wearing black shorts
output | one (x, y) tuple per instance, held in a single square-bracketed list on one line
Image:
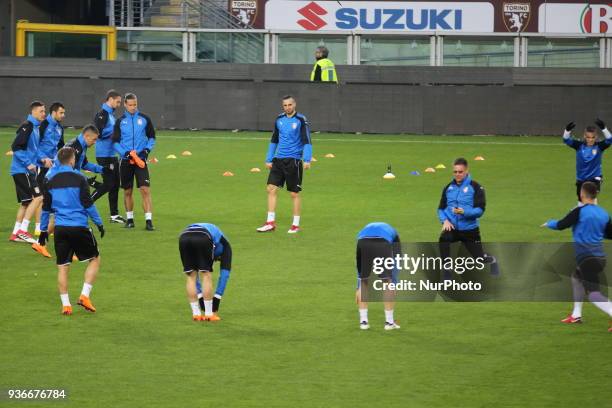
[(67, 196), (590, 225), (589, 153), (134, 138), (289, 153), (200, 245), (375, 242), (23, 170)]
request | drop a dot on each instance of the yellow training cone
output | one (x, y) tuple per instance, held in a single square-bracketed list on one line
[(389, 176), (440, 166), (9, 153), (255, 170), (330, 155), (479, 158), (170, 156), (430, 170), (186, 153), (314, 159)]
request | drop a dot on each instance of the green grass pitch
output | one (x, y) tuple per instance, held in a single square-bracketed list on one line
[(289, 334)]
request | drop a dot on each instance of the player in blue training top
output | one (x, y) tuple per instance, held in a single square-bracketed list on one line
[(590, 225), (589, 153), (375, 240), (66, 195), (23, 171), (105, 152), (200, 245), (289, 153)]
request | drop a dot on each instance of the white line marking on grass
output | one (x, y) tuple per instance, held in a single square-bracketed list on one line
[(349, 140), (374, 140)]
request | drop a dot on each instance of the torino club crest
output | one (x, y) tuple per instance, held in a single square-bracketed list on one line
[(516, 16), (245, 11)]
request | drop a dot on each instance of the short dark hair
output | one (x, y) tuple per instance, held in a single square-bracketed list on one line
[(324, 51), (288, 97), (90, 128), (36, 104), (112, 94), (590, 129), (129, 96), (589, 189), (460, 162), (65, 154), (55, 106)]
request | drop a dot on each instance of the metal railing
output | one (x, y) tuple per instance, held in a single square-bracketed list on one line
[(262, 46)]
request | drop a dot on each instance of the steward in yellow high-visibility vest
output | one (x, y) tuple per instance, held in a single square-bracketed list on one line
[(324, 69)]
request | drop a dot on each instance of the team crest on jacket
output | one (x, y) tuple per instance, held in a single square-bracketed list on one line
[(465, 189), (294, 125), (594, 151), (140, 121)]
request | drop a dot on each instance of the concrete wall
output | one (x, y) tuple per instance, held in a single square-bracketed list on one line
[(442, 100)]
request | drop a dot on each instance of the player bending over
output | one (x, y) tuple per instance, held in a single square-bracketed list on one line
[(589, 153), (590, 225), (375, 240), (67, 196), (200, 245)]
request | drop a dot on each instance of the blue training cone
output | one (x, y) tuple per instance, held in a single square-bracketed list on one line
[(415, 173)]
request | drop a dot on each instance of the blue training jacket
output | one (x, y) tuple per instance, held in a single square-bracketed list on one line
[(25, 146), (379, 230), (590, 225), (470, 196), (105, 122), (133, 132), (290, 139), (588, 158), (81, 163), (66, 195), (51, 138)]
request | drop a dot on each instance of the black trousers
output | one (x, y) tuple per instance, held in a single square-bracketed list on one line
[(110, 183), (470, 238)]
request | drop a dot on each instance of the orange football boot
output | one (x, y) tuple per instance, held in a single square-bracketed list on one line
[(41, 250), (134, 159), (86, 303), (67, 310)]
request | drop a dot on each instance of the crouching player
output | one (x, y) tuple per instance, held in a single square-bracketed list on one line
[(200, 245), (66, 194), (375, 240), (590, 225)]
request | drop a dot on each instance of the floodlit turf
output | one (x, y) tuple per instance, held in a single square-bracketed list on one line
[(289, 335)]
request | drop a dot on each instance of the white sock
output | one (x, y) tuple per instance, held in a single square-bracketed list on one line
[(389, 316), (195, 308), (271, 216), (208, 308), (148, 216), (129, 215), (601, 302), (577, 312), (296, 220), (363, 315), (65, 299), (17, 227), (200, 296), (25, 224), (86, 289), (37, 227)]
